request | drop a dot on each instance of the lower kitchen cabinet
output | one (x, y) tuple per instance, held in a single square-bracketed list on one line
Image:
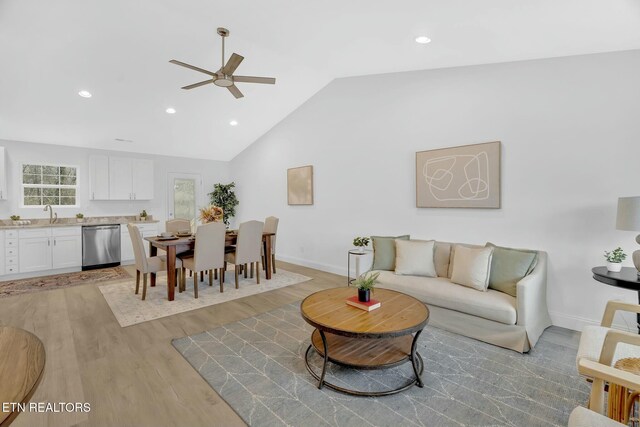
[(49, 248)]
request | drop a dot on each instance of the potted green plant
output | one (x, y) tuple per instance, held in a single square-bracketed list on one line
[(225, 198), (79, 217), (360, 243), (365, 284), (143, 215), (614, 259), (15, 219)]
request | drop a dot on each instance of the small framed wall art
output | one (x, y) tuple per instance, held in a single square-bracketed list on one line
[(459, 177), (300, 185)]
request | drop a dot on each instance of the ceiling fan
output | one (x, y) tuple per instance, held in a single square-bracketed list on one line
[(224, 76)]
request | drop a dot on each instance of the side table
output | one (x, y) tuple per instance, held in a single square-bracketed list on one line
[(358, 254), (627, 278)]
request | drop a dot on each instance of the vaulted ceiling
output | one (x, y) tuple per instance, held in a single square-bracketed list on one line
[(119, 51)]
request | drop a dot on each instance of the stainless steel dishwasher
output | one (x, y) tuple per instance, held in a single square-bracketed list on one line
[(100, 246)]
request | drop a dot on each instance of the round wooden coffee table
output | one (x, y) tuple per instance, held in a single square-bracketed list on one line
[(349, 336)]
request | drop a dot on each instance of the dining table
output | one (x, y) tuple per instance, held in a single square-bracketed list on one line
[(176, 245)]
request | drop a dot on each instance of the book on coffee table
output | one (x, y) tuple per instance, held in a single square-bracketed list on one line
[(366, 306)]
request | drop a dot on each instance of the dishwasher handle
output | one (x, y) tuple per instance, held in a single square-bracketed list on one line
[(101, 227)]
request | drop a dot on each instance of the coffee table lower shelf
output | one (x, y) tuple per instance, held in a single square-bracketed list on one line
[(365, 353)]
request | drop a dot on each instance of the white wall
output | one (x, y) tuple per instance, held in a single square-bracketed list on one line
[(18, 153), (570, 130)]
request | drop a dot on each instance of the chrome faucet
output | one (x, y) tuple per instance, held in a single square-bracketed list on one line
[(52, 219)]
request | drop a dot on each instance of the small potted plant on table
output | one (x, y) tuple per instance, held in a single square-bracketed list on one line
[(614, 259), (365, 284), (79, 217), (15, 219), (143, 215), (360, 243)]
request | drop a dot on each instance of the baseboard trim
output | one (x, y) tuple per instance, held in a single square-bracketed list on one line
[(342, 271), (577, 323)]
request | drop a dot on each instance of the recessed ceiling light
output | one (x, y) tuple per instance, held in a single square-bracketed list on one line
[(84, 94), (423, 39), (233, 123), (170, 110)]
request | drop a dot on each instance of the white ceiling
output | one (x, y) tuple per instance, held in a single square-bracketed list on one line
[(119, 51)]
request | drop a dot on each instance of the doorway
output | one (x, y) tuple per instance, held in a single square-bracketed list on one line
[(185, 196)]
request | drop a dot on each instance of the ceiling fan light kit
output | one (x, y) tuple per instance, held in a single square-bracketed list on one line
[(224, 76)]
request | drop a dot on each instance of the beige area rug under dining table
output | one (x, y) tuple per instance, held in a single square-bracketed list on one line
[(129, 309)]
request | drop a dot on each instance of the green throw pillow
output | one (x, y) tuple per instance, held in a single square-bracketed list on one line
[(508, 266), (384, 252)]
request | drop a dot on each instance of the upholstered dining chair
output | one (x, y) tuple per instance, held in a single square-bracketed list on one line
[(247, 250), (146, 265), (208, 254), (271, 226), (178, 225)]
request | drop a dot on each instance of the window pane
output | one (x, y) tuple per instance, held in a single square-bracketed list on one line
[(33, 192), (51, 192), (68, 192), (67, 180), (28, 201), (51, 170), (67, 171), (51, 200), (32, 169), (67, 201), (31, 179), (51, 179)]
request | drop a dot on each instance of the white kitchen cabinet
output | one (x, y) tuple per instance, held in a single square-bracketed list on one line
[(130, 179), (142, 172), (126, 247), (99, 178), (35, 250), (120, 178), (67, 247)]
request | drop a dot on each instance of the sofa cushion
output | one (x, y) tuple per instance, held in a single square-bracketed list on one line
[(471, 267), (442, 253), (415, 258), (441, 292), (508, 267), (384, 252), (453, 254)]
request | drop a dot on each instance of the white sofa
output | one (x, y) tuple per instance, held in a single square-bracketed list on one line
[(492, 316)]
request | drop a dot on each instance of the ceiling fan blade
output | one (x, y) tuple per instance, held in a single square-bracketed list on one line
[(192, 67), (232, 64), (250, 79), (206, 82), (235, 91)]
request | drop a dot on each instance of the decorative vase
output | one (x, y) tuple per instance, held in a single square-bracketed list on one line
[(360, 249), (364, 295), (614, 267), (80, 219)]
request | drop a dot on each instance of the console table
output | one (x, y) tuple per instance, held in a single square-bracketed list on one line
[(627, 278)]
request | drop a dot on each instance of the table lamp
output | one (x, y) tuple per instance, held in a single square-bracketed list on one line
[(629, 219)]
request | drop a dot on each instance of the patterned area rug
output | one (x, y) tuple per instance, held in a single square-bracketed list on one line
[(129, 309), (59, 281), (257, 366)]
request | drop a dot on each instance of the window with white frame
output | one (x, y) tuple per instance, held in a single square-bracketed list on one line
[(49, 185)]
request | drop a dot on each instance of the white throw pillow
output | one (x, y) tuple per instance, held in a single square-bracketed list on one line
[(471, 267), (415, 258)]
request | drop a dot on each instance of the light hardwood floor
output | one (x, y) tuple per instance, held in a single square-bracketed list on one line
[(132, 376)]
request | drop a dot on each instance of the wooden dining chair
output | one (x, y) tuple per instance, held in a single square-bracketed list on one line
[(146, 265), (208, 254), (271, 226), (247, 250), (178, 225)]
